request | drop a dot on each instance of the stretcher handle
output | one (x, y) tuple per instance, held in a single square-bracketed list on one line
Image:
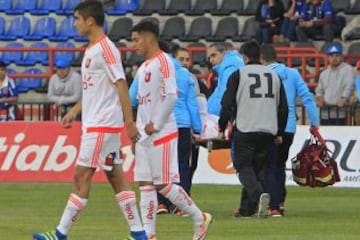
[(315, 132)]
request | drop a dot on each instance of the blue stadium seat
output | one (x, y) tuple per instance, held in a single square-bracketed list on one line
[(68, 56), (121, 7), (10, 70), (66, 30), (68, 7), (5, 5), (29, 83), (22, 6), (44, 28), (2, 27), (13, 57), (32, 58), (47, 6), (19, 27)]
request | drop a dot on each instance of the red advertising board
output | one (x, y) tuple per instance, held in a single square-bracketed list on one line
[(45, 152)]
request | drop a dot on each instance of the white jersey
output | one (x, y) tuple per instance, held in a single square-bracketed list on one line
[(157, 78), (100, 69)]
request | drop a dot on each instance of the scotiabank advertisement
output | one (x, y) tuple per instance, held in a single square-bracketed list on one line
[(45, 152)]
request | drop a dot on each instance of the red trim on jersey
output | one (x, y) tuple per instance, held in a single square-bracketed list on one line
[(166, 139), (166, 162), (164, 65), (97, 40), (147, 62), (97, 150), (108, 54), (104, 130)]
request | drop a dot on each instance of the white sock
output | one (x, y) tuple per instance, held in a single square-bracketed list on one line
[(148, 206), (71, 213), (127, 203), (181, 199)]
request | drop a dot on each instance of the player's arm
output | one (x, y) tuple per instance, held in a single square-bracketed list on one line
[(283, 111), (71, 115), (229, 101)]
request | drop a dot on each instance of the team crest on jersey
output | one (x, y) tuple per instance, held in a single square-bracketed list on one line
[(87, 62), (147, 77)]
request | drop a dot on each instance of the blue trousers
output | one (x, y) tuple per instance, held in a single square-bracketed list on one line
[(288, 29)]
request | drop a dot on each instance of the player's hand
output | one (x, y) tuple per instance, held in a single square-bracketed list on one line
[(132, 132), (149, 128), (67, 120), (341, 102), (278, 140)]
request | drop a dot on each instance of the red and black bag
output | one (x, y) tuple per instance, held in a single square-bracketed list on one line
[(313, 166)]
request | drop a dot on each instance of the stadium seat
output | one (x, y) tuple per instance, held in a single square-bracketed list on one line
[(66, 30), (121, 28), (5, 5), (21, 7), (229, 6), (199, 28), (176, 6), (47, 6), (340, 5), (198, 57), (250, 8), (68, 7), (133, 59), (354, 9), (354, 48), (228, 27), (149, 7), (249, 30), (10, 70), (19, 27), (80, 55), (45, 27), (202, 6), (13, 57), (2, 27), (173, 28), (68, 55), (121, 7), (32, 58), (151, 19), (29, 83)]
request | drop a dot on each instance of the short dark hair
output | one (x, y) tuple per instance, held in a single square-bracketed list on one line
[(251, 49), (146, 26), (92, 8), (268, 53), (221, 46)]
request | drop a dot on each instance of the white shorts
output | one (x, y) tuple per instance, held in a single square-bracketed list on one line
[(157, 162), (100, 150)]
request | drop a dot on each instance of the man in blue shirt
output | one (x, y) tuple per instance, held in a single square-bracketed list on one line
[(8, 95), (294, 87), (317, 18)]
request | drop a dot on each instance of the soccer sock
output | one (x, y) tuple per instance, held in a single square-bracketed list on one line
[(71, 213), (148, 205), (127, 203), (181, 199)]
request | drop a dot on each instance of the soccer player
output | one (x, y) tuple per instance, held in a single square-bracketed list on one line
[(156, 166), (255, 97), (105, 106), (294, 87)]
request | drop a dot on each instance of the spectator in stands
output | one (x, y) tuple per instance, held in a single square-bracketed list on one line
[(317, 18), (295, 87), (65, 86), (336, 86), (8, 95), (269, 14), (130, 76), (292, 15), (356, 97), (224, 61), (351, 29)]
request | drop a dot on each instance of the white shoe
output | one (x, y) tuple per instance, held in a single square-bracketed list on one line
[(201, 231), (263, 205)]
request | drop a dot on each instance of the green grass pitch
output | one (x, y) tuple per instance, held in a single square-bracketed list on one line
[(316, 214)]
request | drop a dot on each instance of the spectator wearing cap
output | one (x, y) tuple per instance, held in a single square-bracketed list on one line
[(317, 17), (65, 86), (335, 88), (8, 95), (356, 97)]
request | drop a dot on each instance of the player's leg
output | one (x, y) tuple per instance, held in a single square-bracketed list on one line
[(84, 171), (124, 195), (164, 174)]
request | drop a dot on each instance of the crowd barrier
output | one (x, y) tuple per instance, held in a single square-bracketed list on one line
[(31, 152)]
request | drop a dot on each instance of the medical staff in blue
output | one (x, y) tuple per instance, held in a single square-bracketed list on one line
[(225, 62), (8, 95), (294, 87)]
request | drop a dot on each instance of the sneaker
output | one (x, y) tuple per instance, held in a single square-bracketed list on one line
[(237, 214), (162, 209), (52, 235), (140, 235), (201, 231), (263, 205), (274, 213)]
